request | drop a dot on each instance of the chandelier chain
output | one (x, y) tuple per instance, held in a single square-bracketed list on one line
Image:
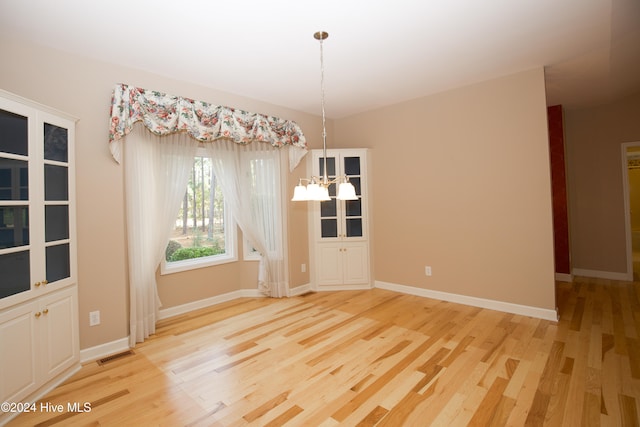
[(318, 187), (325, 178)]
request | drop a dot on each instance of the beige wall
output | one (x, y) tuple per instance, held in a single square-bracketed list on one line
[(462, 184), (82, 87), (474, 161), (594, 138)]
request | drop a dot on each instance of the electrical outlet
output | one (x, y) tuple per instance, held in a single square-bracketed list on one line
[(94, 318), (427, 270), (303, 268)]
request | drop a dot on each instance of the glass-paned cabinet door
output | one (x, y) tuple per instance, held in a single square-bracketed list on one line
[(353, 208), (14, 204), (56, 202), (340, 219), (328, 208)]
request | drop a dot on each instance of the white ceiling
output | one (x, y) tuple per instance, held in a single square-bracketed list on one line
[(378, 52)]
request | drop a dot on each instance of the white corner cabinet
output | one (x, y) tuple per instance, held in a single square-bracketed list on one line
[(340, 237), (39, 342)]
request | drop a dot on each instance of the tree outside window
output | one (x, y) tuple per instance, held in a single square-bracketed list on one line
[(200, 231)]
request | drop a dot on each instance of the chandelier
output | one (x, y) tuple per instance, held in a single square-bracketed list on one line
[(317, 188)]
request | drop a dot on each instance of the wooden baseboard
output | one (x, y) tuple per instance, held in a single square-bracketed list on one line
[(564, 277), (506, 307), (94, 353), (207, 302), (299, 290), (611, 275)]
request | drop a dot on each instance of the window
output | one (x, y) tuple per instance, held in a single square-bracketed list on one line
[(204, 233)]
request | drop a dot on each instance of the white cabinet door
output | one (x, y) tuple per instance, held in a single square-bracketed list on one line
[(37, 202), (59, 331), (344, 220), (18, 352), (38, 340), (330, 269), (356, 263)]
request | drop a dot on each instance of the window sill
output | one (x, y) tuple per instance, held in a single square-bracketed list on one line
[(192, 264)]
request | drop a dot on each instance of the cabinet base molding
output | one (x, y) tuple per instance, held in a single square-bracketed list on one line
[(524, 310), (330, 288), (42, 391)]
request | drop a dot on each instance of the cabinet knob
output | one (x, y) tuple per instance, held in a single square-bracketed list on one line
[(45, 311), (44, 282), (38, 314), (37, 284)]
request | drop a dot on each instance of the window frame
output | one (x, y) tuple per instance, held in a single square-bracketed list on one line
[(230, 244)]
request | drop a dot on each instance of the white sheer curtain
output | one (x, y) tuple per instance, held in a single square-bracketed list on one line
[(249, 176), (156, 173)]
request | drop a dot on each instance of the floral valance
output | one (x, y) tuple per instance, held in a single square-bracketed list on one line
[(164, 114)]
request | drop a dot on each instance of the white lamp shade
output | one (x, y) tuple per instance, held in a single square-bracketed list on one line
[(317, 192), (324, 194), (346, 191), (299, 193), (313, 191)]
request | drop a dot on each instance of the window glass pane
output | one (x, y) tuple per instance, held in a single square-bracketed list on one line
[(24, 183), (356, 184), (15, 273), (14, 226), (353, 207), (56, 223), (332, 190), (352, 165), (56, 182), (55, 143), (331, 166), (58, 266), (354, 227), (328, 208), (13, 133), (14, 179), (329, 227), (200, 229)]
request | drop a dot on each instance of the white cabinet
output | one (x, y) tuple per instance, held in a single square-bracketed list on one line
[(58, 324), (340, 228), (38, 272), (18, 341), (39, 340), (343, 264)]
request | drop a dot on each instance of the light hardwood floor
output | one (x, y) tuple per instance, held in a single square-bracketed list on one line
[(364, 358)]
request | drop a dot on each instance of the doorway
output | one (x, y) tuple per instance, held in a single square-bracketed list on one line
[(631, 174)]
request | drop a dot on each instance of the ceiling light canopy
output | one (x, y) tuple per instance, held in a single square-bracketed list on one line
[(317, 188)]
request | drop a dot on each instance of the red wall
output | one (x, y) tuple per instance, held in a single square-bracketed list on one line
[(559, 189)]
